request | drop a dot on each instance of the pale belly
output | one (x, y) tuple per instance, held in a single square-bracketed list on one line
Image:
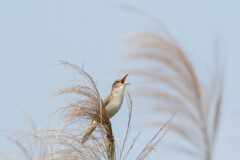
[(114, 106)]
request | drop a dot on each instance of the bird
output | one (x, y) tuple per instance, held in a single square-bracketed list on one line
[(112, 103)]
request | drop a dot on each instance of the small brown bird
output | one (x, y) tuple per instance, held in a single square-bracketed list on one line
[(112, 103)]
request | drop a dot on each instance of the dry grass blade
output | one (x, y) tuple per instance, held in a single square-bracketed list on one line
[(128, 124), (216, 116), (149, 146), (179, 89), (22, 148), (131, 147), (154, 141)]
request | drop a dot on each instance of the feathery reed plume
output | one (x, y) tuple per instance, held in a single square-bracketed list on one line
[(88, 106), (67, 142), (197, 118), (33, 148)]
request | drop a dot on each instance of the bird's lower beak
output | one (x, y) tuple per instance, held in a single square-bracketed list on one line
[(123, 80)]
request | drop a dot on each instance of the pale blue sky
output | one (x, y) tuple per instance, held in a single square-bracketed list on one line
[(33, 34)]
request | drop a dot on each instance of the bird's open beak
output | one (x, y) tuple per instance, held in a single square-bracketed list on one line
[(123, 80)]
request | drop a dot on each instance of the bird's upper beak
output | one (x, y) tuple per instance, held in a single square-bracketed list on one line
[(123, 80)]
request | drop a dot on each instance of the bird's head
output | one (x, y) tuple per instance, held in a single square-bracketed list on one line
[(120, 83)]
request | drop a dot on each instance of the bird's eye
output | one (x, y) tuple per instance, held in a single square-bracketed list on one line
[(118, 81)]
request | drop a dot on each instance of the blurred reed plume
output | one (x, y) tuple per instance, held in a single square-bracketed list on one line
[(66, 142), (198, 110)]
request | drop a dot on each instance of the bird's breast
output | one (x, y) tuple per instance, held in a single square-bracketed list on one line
[(114, 105)]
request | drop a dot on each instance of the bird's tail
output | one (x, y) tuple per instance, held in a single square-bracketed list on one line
[(90, 129)]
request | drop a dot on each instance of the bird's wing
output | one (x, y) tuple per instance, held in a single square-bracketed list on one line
[(107, 100)]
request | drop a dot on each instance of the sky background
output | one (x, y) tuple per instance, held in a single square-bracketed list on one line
[(34, 34)]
